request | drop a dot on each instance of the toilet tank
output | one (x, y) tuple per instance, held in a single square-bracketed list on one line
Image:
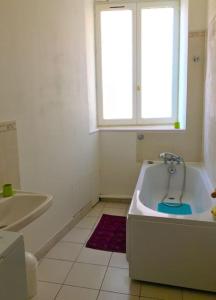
[(12, 267)]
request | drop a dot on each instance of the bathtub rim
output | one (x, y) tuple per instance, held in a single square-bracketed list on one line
[(139, 210)]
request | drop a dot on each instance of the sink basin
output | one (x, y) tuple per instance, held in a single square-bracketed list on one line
[(21, 209)]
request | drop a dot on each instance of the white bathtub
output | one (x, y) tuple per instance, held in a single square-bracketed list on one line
[(177, 250)]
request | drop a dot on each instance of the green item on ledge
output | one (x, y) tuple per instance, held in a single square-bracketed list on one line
[(177, 125), (7, 190)]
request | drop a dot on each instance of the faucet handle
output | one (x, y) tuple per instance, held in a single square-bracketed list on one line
[(170, 158), (162, 155)]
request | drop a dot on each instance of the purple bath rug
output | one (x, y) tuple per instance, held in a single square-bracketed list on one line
[(109, 235)]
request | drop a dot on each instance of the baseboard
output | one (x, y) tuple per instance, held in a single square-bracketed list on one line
[(62, 232), (116, 198)]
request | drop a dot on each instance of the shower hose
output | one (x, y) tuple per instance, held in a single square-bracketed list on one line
[(182, 190)]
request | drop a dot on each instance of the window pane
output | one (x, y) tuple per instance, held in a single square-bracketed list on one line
[(117, 75), (157, 62)]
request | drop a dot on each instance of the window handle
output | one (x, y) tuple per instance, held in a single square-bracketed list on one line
[(138, 87)]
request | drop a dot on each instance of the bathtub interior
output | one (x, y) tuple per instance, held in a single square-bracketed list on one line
[(155, 182)]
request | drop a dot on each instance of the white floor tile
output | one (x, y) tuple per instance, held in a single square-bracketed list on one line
[(160, 292), (93, 256), (94, 227), (87, 222), (76, 293), (47, 291), (115, 296), (65, 251), (119, 260), (116, 205), (117, 280), (86, 275), (77, 235), (195, 295), (52, 270), (95, 212), (100, 204), (114, 211)]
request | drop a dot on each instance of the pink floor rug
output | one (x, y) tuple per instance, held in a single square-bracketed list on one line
[(109, 235)]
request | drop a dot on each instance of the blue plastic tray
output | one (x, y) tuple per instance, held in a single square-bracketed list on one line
[(184, 209)]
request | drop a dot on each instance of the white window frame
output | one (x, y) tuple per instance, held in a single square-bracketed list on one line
[(136, 7), (113, 7)]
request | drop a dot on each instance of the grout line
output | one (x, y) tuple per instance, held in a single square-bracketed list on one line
[(85, 227), (46, 281), (115, 267), (59, 284), (72, 266), (72, 242), (79, 286), (51, 282), (76, 260), (106, 266), (60, 259), (57, 293), (62, 285), (104, 276), (65, 285), (182, 294), (129, 294), (62, 242), (89, 263), (140, 286), (110, 259)]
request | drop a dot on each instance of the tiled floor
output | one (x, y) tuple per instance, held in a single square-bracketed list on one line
[(72, 272)]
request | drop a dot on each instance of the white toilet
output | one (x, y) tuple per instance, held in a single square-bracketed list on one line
[(13, 284), (31, 275)]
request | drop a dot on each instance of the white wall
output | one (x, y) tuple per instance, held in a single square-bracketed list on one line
[(210, 99), (197, 14), (211, 10), (44, 87), (119, 150), (9, 160), (90, 59)]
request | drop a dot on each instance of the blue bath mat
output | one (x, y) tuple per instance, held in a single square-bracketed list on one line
[(184, 209)]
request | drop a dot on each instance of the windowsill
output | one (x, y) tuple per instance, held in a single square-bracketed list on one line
[(154, 128)]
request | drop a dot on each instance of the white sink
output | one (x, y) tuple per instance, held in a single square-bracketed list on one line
[(21, 209)]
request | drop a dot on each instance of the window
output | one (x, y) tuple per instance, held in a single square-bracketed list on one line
[(137, 62)]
